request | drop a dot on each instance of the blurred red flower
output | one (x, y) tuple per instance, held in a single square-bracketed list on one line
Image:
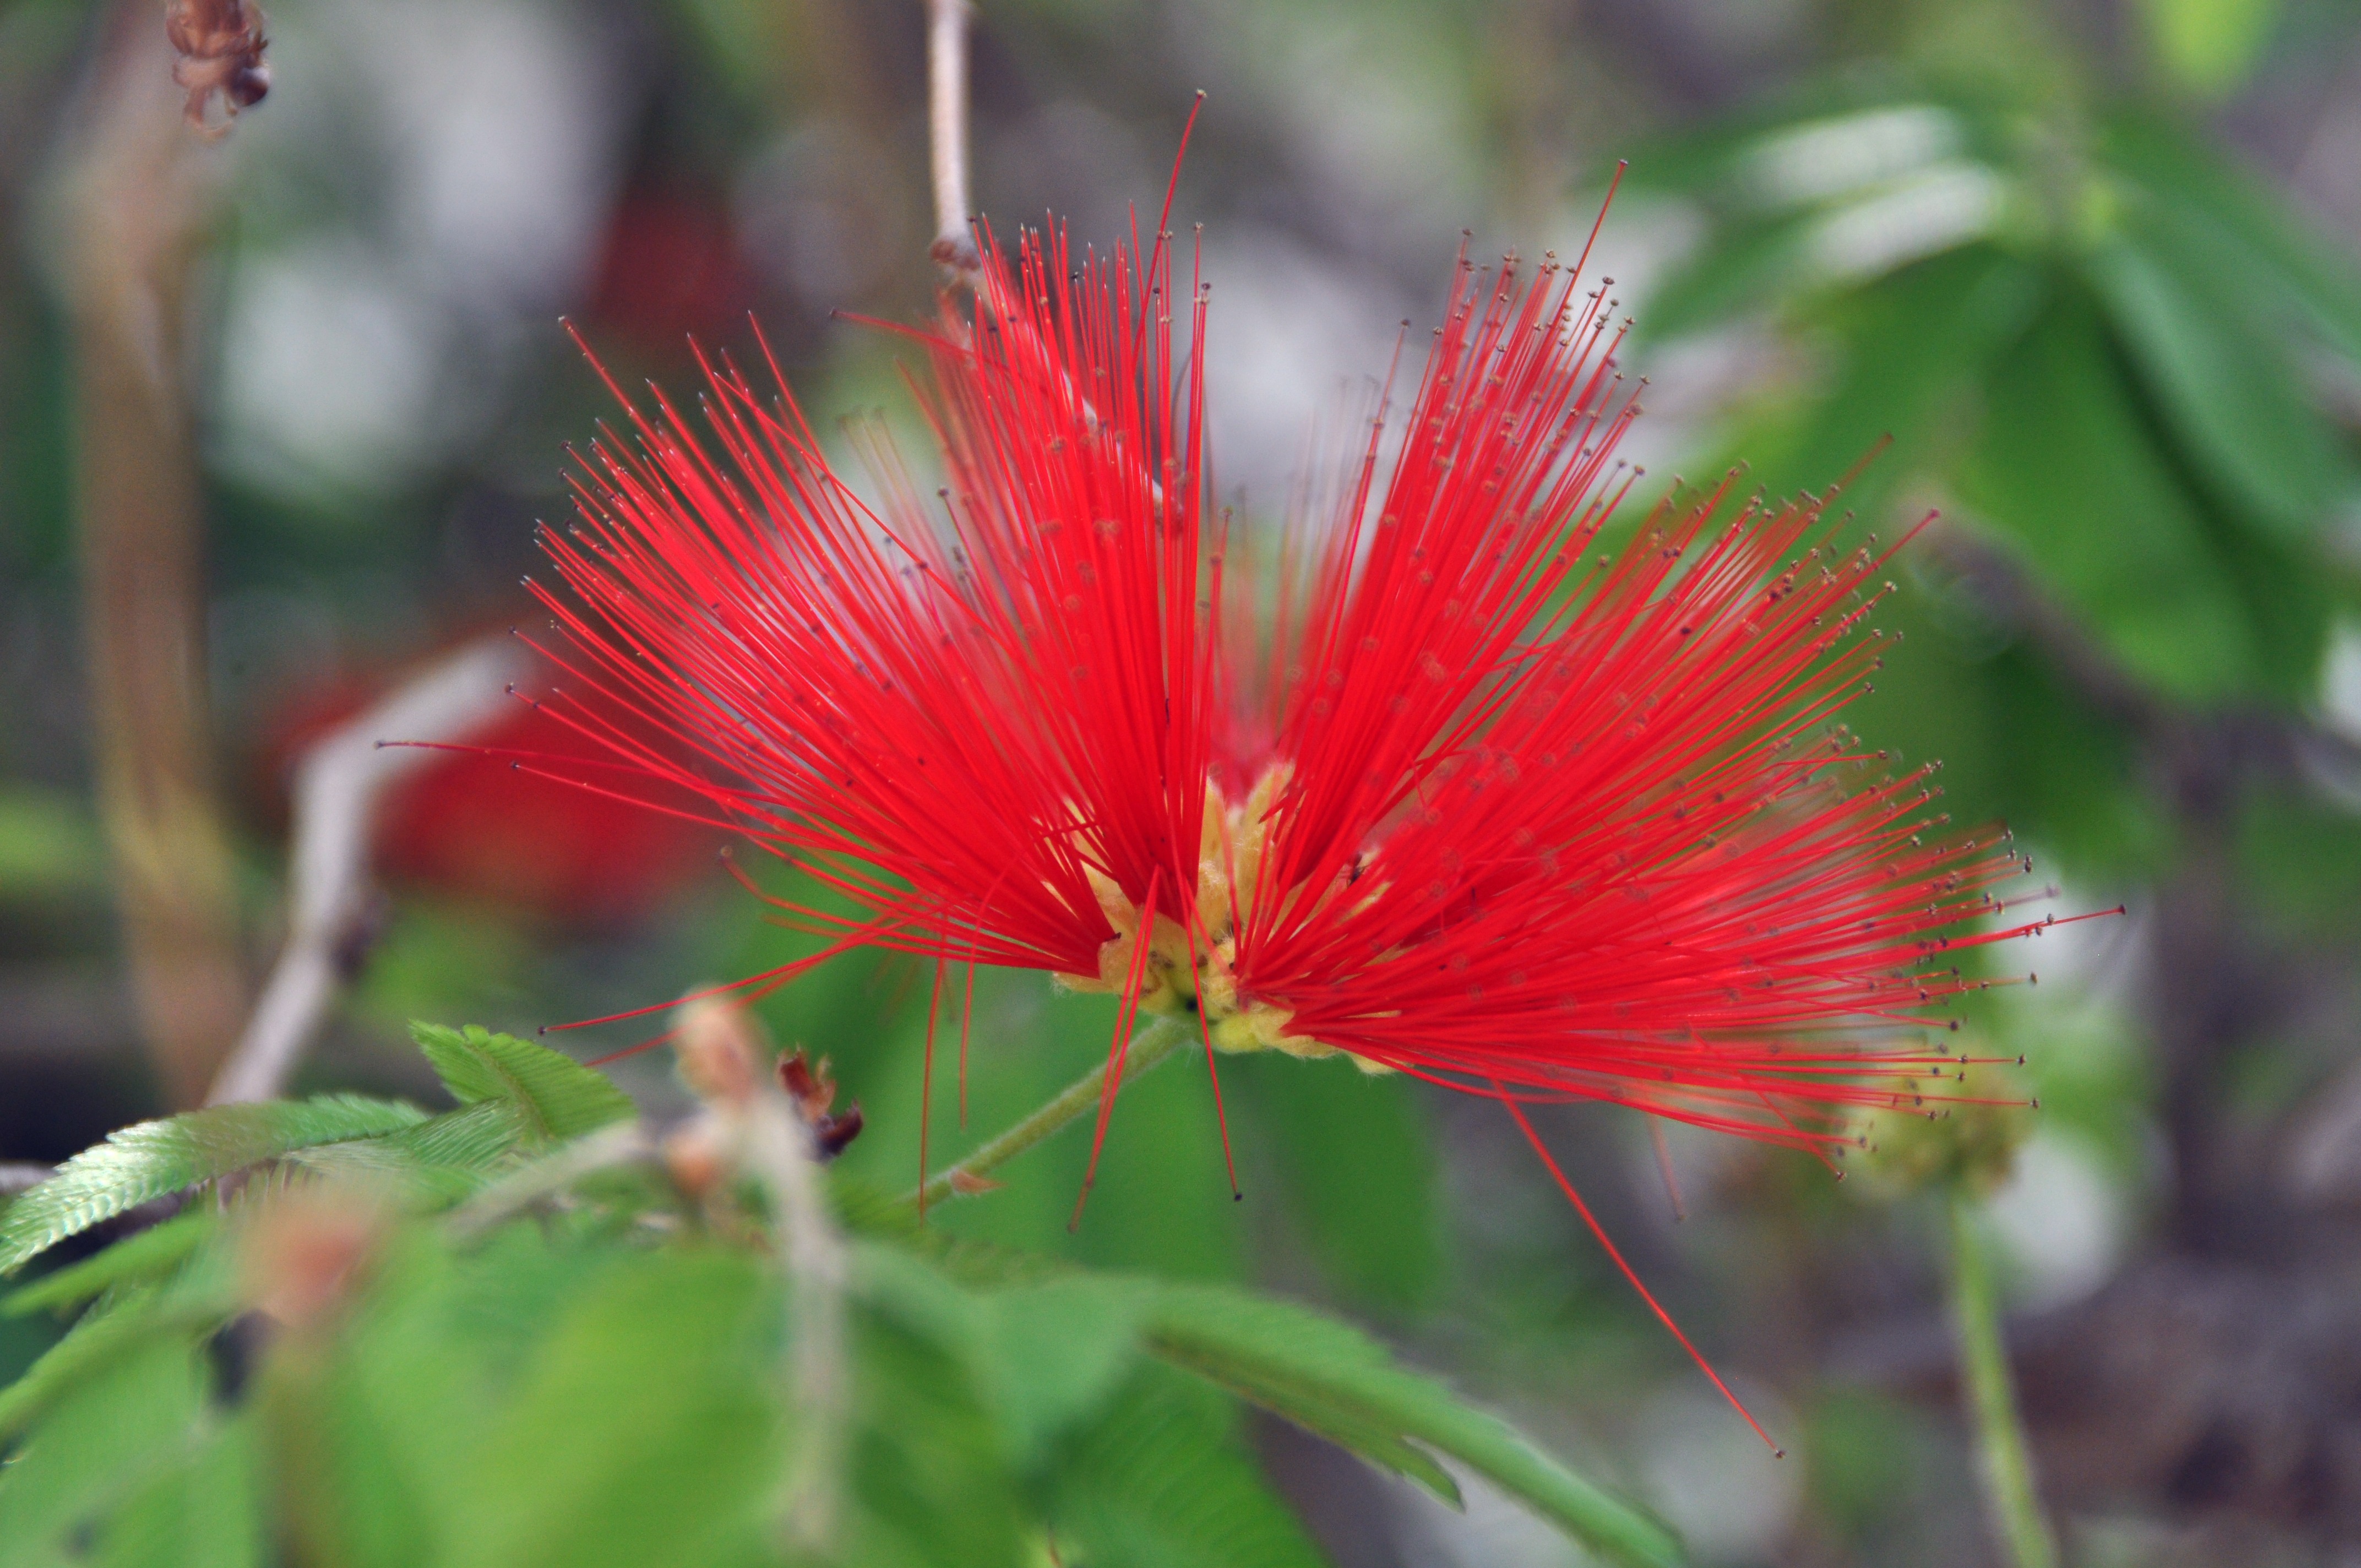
[(468, 825), (668, 267)]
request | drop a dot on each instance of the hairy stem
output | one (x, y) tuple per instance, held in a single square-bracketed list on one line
[(2006, 1468), (1149, 1048)]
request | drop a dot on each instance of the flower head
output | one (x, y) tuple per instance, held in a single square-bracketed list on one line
[(1496, 801)]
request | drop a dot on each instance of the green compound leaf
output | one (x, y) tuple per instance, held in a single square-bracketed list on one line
[(202, 1512), (2068, 468), (154, 1160), (1045, 1356), (684, 1343), (2239, 225), (1335, 1381), (1358, 1170), (1161, 1482), (114, 1431), (1324, 1376), (554, 1097), (149, 1254), (122, 1323), (441, 1161), (2231, 394), (1910, 350)]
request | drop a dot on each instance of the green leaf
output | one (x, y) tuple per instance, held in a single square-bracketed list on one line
[(687, 1343), (2210, 46), (1337, 1382), (1738, 269), (203, 1512), (556, 1096), (2236, 225), (99, 1338), (144, 1255), (1045, 1353), (108, 1436), (2231, 393), (927, 1486), (2069, 470), (154, 1160), (1160, 1482), (1715, 160), (1323, 1376), (1910, 350), (120, 1324), (444, 1159), (1293, 1363), (1052, 1354), (2067, 772), (1358, 1170)]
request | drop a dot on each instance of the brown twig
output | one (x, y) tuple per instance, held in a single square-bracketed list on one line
[(947, 32), (337, 786), (141, 196)]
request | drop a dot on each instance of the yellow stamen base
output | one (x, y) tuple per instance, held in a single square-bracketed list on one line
[(1184, 977)]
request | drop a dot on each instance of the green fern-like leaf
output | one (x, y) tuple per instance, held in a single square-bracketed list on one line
[(555, 1097), (443, 1160), (1335, 1381), (1322, 1375), (154, 1160), (149, 1254), (1160, 1482), (108, 1435), (203, 1511)]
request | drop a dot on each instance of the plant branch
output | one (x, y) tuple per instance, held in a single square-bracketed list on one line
[(609, 1148), (337, 786), (1150, 1048), (140, 198), (777, 1146), (751, 1119), (947, 33), (2005, 1466)]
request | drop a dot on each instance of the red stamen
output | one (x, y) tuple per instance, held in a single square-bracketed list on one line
[(1614, 1255)]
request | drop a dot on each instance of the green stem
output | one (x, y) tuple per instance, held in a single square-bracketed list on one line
[(1149, 1048), (2006, 1467)]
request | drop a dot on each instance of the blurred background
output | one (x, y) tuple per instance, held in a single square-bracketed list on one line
[(278, 415)]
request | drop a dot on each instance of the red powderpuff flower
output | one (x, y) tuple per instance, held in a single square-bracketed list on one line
[(1491, 805)]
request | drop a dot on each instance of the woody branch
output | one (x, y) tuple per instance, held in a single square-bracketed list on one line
[(947, 33), (337, 786)]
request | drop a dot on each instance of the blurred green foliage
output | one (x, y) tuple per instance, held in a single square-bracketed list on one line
[(602, 1366), (2082, 329)]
